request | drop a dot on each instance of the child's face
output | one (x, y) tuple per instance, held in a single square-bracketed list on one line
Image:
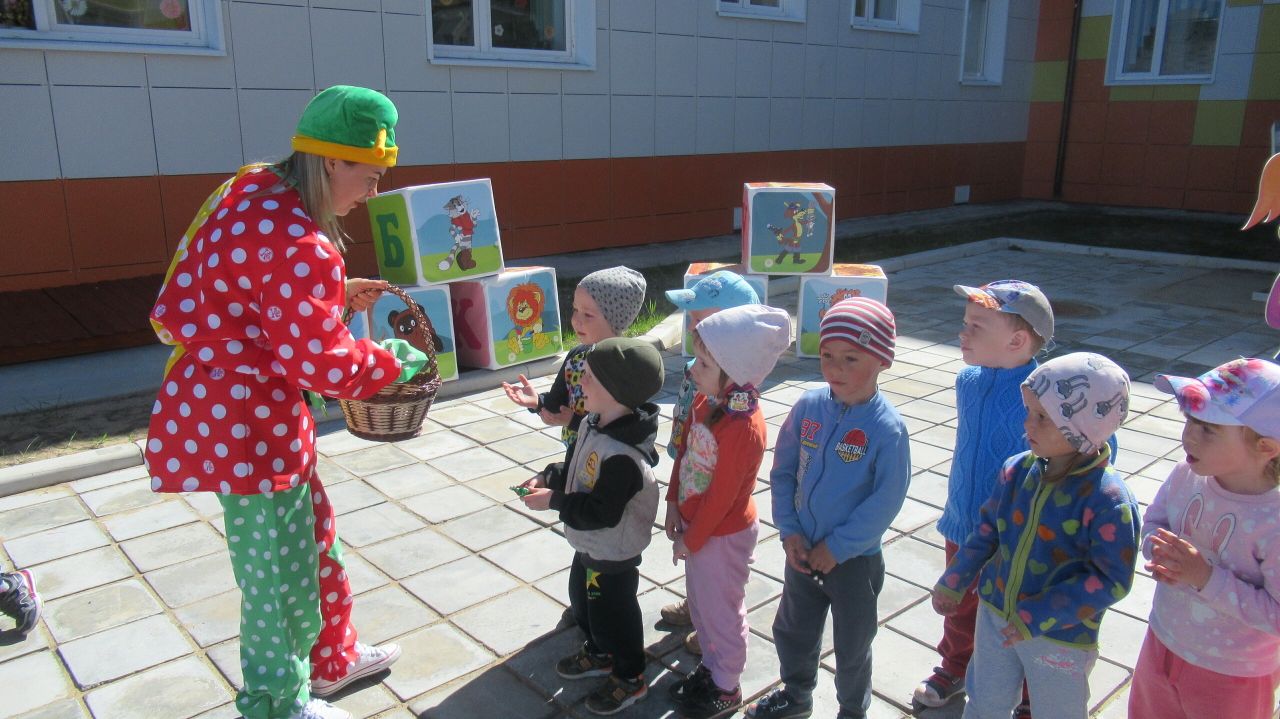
[(588, 321), (851, 372), (705, 373), (1218, 450), (696, 316), (595, 398), (1042, 433), (987, 337)]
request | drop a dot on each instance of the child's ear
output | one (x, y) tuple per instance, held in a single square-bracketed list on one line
[(1269, 447), (1019, 340)]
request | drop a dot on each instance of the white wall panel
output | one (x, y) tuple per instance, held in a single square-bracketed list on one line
[(847, 123), (405, 55), (22, 67), (851, 72), (902, 72), (1231, 78), (104, 131), (900, 130), (716, 67), (631, 126), (822, 20), (195, 70), (632, 15), (374, 6), (677, 17), (631, 63), (716, 127), (677, 65), (481, 127), (425, 131), (103, 69), (403, 7), (875, 123), (1239, 29), (586, 126), (272, 46), (751, 124), (924, 122), (879, 72), (537, 81), (477, 79), (197, 130), (752, 68), (586, 82), (29, 150), (786, 123), (267, 121), (536, 127), (786, 70), (675, 127), (711, 24), (819, 118), (820, 71), (352, 48)]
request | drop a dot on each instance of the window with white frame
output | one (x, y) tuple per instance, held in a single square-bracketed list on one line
[(890, 15), (792, 10), (513, 32), (982, 56), (1165, 40), (113, 25)]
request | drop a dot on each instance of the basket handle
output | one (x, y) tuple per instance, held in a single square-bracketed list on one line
[(420, 315)]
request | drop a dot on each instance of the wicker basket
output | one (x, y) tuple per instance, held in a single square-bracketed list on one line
[(396, 411)]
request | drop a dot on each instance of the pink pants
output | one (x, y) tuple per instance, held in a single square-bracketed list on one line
[(1166, 686), (716, 582), (334, 652)]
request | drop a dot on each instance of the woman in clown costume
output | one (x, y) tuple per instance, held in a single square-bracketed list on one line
[(253, 306)]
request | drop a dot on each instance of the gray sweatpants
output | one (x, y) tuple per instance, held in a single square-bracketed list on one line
[(850, 591), (1057, 675)]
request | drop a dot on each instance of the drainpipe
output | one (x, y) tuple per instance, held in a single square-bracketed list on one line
[(1061, 160)]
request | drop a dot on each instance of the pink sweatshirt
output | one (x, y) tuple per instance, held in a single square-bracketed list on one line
[(1232, 626)]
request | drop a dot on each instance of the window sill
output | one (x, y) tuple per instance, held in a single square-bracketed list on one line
[(14, 43), (980, 82), (758, 16), (1140, 81), (507, 62), (885, 28)]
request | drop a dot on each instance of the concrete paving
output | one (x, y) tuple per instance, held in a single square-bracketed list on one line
[(141, 611)]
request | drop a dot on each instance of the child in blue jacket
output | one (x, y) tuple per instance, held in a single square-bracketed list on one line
[(1054, 547), (840, 473)]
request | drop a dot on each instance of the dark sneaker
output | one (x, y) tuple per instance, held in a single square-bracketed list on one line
[(21, 601), (584, 664), (778, 704), (677, 614), (938, 690), (616, 694), (711, 702), (691, 686), (1023, 710)]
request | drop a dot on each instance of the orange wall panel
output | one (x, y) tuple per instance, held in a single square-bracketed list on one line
[(116, 221), (35, 237), (585, 184)]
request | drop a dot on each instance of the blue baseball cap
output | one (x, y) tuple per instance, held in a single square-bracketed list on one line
[(718, 290)]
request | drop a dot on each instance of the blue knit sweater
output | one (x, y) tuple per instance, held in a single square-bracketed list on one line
[(989, 431)]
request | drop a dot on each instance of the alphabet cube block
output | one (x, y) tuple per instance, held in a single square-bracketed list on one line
[(507, 319), (698, 270), (818, 292), (788, 228), (390, 317), (430, 234)]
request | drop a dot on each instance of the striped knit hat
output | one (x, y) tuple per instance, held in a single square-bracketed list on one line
[(864, 322)]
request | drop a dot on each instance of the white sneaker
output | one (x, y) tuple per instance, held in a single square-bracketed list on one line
[(373, 659), (320, 709)]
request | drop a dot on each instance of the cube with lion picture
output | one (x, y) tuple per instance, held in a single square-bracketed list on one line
[(507, 319)]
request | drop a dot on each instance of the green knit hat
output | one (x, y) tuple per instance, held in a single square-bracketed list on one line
[(349, 123)]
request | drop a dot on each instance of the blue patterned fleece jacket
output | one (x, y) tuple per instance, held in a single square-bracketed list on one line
[(988, 432), (1051, 557), (840, 472)]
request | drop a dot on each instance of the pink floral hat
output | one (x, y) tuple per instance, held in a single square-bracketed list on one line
[(1241, 392)]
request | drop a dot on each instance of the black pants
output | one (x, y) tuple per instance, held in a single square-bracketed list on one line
[(606, 608)]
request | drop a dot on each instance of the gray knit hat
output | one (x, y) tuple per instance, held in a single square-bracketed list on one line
[(628, 368), (619, 291)]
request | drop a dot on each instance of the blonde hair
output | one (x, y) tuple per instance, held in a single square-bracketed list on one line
[(1272, 470), (305, 173)]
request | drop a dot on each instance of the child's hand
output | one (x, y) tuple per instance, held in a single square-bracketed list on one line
[(1174, 560), (539, 499), (672, 521), (1011, 635), (537, 481), (678, 550), (558, 419), (362, 293), (797, 553), (943, 604), (522, 395), (821, 559)]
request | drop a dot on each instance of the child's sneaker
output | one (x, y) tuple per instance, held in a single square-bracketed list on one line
[(677, 614), (21, 601), (938, 690), (711, 702), (692, 686), (616, 694), (373, 659), (778, 704), (584, 664), (320, 709)]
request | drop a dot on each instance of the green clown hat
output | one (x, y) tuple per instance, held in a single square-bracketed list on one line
[(349, 123)]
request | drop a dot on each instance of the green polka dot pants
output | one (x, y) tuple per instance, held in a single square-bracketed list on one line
[(272, 544)]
